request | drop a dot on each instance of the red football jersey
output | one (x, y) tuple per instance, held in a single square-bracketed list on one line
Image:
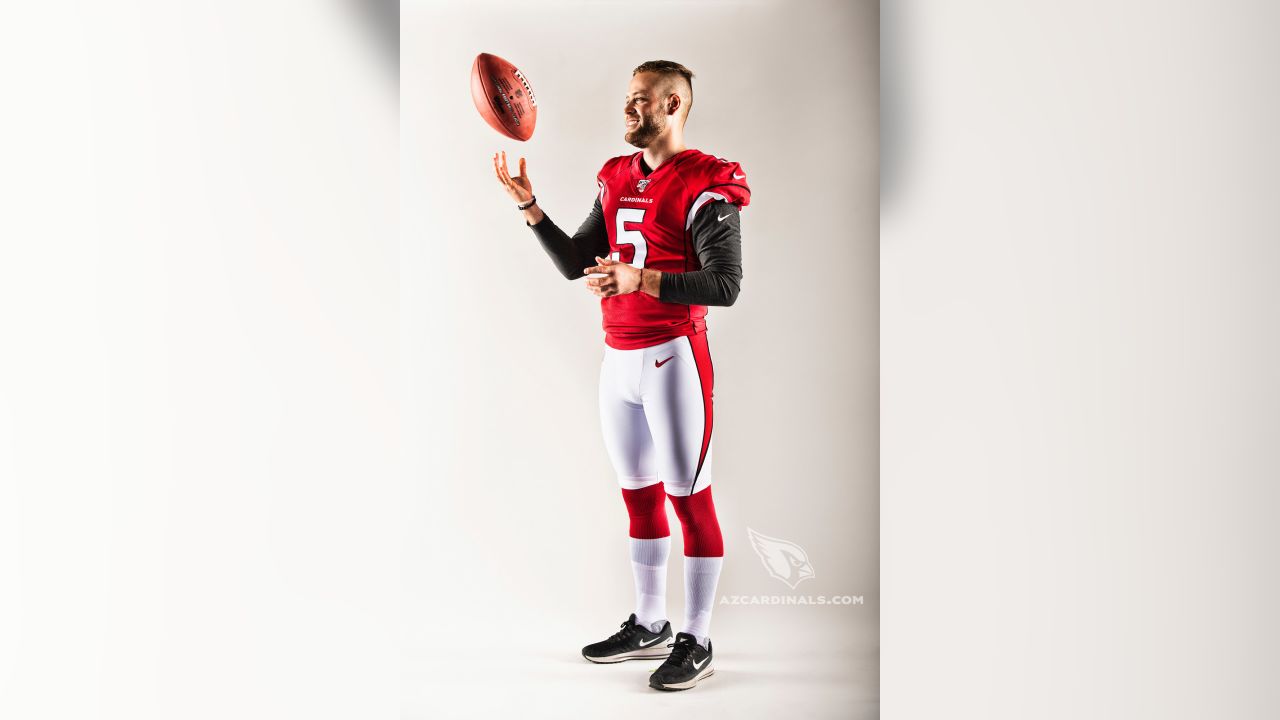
[(648, 218)]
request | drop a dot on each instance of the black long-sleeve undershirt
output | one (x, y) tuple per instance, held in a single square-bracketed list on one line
[(717, 239)]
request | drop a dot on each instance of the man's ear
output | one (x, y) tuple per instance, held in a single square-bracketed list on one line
[(673, 104)]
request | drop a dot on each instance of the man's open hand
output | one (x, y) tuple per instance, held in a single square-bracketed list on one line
[(518, 187)]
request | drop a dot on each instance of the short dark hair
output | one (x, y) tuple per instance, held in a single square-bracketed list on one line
[(668, 68)]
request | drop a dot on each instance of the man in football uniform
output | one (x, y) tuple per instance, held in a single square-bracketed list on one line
[(662, 242)]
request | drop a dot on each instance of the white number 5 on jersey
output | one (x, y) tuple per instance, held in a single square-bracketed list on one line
[(623, 236)]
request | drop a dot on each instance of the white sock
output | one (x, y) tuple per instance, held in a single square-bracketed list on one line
[(700, 577), (649, 564)]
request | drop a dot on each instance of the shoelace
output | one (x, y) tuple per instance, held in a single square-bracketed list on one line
[(624, 633), (679, 653)]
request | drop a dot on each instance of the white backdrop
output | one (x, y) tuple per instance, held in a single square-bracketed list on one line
[(515, 549)]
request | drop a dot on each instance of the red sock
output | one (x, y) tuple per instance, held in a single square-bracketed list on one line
[(699, 524), (647, 508)]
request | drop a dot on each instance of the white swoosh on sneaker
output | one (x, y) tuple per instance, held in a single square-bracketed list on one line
[(705, 660), (651, 642)]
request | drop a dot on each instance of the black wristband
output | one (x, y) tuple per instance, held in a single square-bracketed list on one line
[(533, 200)]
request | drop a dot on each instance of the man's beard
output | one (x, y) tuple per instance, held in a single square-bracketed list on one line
[(651, 127)]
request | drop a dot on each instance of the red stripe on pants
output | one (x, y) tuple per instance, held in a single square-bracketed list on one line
[(706, 375)]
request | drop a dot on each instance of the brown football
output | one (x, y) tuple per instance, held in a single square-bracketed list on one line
[(503, 96)]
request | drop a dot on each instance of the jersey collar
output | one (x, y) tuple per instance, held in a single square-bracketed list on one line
[(638, 166)]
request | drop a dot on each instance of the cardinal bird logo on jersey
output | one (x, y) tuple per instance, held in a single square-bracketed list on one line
[(642, 184), (784, 560)]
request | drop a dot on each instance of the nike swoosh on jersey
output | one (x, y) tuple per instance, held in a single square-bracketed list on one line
[(651, 642), (664, 362), (736, 176), (720, 218)]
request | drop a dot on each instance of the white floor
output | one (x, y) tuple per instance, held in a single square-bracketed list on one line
[(789, 662)]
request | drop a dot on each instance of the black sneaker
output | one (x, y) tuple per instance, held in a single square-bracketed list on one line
[(688, 665), (631, 642)]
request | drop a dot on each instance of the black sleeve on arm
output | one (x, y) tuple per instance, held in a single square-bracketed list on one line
[(717, 239), (572, 255)]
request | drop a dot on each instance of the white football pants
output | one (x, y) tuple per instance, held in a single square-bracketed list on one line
[(655, 410)]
